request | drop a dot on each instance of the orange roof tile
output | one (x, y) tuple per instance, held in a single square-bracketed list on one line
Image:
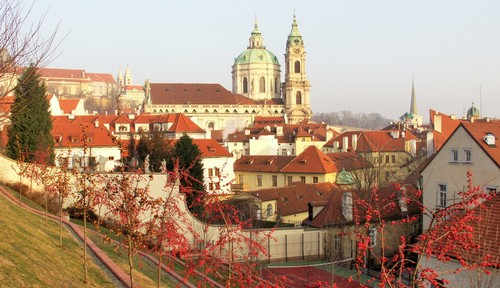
[(210, 148), (68, 105), (195, 93), (183, 124), (479, 129), (101, 77), (294, 198), (71, 135), (311, 160), (348, 161), (262, 163)]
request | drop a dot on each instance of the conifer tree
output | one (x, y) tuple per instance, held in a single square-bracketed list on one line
[(189, 156), (31, 122)]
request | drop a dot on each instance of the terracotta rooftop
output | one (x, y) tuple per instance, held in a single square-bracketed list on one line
[(101, 77), (262, 163), (195, 93), (348, 161), (332, 214), (442, 131), (71, 135), (311, 160), (210, 148), (479, 129), (68, 105), (294, 198)]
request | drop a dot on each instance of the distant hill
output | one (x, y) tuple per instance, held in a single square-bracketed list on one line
[(371, 121)]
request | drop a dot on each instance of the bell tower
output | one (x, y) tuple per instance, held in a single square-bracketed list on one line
[(296, 87)]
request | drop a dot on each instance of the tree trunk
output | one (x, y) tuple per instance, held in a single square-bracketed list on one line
[(130, 260), (84, 245)]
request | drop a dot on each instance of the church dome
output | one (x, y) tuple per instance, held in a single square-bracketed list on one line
[(256, 56), (473, 112)]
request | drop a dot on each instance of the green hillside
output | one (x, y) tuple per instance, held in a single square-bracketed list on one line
[(30, 255)]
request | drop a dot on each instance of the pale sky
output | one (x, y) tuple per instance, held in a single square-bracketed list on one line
[(361, 55)]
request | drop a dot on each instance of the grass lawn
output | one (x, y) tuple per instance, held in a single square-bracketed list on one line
[(30, 255)]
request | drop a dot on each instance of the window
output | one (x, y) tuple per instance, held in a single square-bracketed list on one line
[(298, 98), (283, 152), (337, 249), (442, 191), (303, 179), (275, 180), (293, 151), (373, 237), (454, 155), (467, 156), (386, 158), (111, 158), (217, 172), (276, 81), (217, 185), (210, 172), (262, 85), (240, 179), (297, 66), (490, 189), (269, 210), (393, 158), (315, 179), (289, 180), (245, 85), (210, 186), (259, 180)]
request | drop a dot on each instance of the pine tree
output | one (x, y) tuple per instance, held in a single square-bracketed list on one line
[(189, 156), (31, 122)]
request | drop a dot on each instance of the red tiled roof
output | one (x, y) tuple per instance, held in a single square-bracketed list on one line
[(332, 213), (71, 135), (311, 160), (61, 73), (210, 148), (134, 87), (262, 163), (373, 141), (478, 130), (183, 124), (262, 121), (348, 161), (195, 93), (448, 125), (68, 105), (294, 198), (101, 77), (5, 103)]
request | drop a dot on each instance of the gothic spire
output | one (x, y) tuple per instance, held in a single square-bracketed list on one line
[(413, 104)]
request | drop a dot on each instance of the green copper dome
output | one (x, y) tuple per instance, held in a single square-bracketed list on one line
[(256, 55), (256, 51), (473, 112)]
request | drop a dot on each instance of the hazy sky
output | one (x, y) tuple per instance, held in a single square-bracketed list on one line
[(361, 55)]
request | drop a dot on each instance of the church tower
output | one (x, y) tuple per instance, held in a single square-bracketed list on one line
[(296, 86), (128, 77), (256, 71), (119, 80)]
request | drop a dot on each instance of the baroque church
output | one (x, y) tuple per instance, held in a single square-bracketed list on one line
[(257, 90)]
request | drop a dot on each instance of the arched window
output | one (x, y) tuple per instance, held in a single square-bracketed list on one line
[(297, 66), (298, 98), (211, 125), (269, 210), (276, 83), (245, 85), (262, 85)]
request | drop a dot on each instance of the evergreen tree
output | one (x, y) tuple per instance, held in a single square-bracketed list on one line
[(131, 151), (31, 122), (189, 156)]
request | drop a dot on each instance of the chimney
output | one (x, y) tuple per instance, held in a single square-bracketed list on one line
[(335, 146), (395, 134), (347, 206), (329, 134), (437, 123), (354, 142), (96, 123), (345, 143), (430, 144), (131, 116), (279, 130)]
